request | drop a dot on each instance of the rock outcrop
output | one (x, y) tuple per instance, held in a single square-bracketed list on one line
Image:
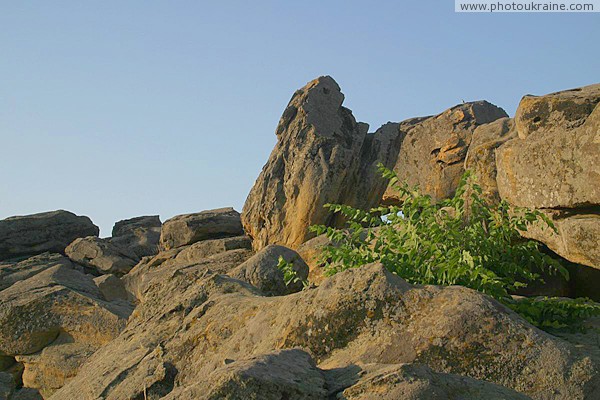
[(553, 166), (187, 229), (30, 235), (101, 255), (196, 323), (434, 149), (141, 235), (53, 319), (320, 156)]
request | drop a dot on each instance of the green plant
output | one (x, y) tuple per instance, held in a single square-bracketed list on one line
[(459, 241), (555, 312), (290, 276)]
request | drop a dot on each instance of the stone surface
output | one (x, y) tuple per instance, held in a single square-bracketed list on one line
[(49, 369), (310, 252), (29, 235), (196, 321), (141, 235), (261, 271), (59, 299), (322, 156), (554, 169), (418, 382), (111, 287), (11, 273), (101, 255), (565, 110), (481, 156), (187, 229), (285, 374), (433, 150)]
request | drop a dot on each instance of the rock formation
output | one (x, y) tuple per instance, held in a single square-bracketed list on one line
[(29, 235), (320, 156), (553, 166), (433, 152), (196, 309)]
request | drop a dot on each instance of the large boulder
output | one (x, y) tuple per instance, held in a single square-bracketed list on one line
[(481, 156), (322, 156), (195, 322), (101, 255), (29, 235), (52, 321), (565, 110), (187, 229), (555, 169), (12, 272), (261, 270), (141, 235), (433, 150)]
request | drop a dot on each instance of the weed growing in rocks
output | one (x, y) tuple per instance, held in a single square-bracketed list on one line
[(459, 241)]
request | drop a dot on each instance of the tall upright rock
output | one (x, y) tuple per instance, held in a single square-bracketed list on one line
[(554, 166), (434, 148), (322, 156)]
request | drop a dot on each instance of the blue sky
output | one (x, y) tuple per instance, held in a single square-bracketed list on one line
[(115, 109)]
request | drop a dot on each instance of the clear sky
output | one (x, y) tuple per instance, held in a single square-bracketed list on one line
[(115, 109)]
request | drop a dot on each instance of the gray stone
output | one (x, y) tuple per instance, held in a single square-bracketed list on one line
[(141, 235), (187, 229), (29, 235), (101, 255), (11, 273)]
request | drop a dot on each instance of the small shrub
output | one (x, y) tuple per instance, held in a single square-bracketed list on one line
[(290, 275), (459, 241)]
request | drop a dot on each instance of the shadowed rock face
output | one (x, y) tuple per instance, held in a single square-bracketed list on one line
[(140, 235), (322, 156), (29, 235), (196, 323), (433, 150)]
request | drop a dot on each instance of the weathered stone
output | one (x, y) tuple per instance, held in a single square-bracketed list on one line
[(190, 324), (285, 374), (7, 385), (187, 229), (111, 287), (261, 271), (50, 369), (141, 235), (481, 156), (564, 110), (310, 252), (34, 311), (577, 237), (11, 273), (322, 156), (418, 382), (552, 169), (207, 248), (29, 235), (101, 255), (433, 150)]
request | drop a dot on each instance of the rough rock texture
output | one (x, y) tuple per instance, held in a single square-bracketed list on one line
[(433, 151), (25, 236), (101, 255), (564, 110), (418, 382), (196, 321), (111, 287), (322, 156), (481, 156), (11, 273), (285, 374), (261, 271), (187, 229), (52, 321), (141, 235), (310, 251), (555, 168)]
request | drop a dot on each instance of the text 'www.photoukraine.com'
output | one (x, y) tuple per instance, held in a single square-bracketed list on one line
[(491, 6)]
